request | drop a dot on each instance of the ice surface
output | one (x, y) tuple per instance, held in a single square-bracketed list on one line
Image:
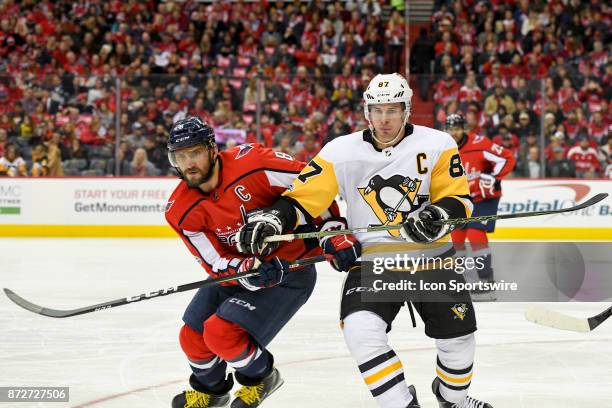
[(130, 356)]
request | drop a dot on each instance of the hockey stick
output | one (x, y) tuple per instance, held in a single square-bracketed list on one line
[(147, 295), (401, 201), (558, 320), (453, 221)]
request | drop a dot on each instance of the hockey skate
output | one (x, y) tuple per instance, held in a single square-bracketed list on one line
[(468, 402), (201, 397), (484, 295), (480, 295), (414, 403), (252, 393)]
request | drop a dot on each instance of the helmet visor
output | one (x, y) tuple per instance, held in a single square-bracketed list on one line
[(185, 158)]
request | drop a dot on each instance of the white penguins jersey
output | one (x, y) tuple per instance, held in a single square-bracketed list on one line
[(384, 186)]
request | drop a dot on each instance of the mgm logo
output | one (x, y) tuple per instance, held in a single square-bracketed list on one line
[(10, 200)]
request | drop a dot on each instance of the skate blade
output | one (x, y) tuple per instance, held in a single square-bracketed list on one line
[(483, 297)]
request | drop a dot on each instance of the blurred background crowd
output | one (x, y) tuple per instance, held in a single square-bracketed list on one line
[(91, 87)]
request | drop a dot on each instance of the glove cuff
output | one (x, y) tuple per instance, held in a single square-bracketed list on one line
[(250, 264), (269, 216), (442, 214), (332, 224), (285, 211)]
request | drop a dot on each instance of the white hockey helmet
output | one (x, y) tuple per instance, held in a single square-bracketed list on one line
[(387, 88)]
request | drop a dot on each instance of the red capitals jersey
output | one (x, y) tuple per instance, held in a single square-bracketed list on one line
[(481, 155), (251, 177)]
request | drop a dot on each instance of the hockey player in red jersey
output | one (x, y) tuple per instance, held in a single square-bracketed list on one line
[(231, 324), (485, 163)]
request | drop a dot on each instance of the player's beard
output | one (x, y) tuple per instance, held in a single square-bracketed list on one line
[(204, 175)]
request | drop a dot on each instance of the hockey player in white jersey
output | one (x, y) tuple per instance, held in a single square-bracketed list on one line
[(392, 173)]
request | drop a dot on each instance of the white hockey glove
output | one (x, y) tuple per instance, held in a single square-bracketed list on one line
[(487, 185), (260, 225), (419, 228)]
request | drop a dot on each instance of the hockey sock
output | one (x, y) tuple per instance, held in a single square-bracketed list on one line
[(454, 366), (382, 371), (459, 236), (234, 345), (477, 237), (480, 249), (208, 368)]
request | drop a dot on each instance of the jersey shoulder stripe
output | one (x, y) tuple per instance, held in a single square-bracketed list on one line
[(194, 205), (264, 169)]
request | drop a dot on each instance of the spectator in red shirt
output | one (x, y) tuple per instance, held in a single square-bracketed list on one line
[(3, 141), (469, 92), (307, 55), (394, 37), (598, 128), (585, 158), (311, 149), (441, 46), (567, 97), (447, 89), (572, 125)]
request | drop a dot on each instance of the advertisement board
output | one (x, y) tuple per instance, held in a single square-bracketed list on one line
[(134, 207), (524, 195), (84, 206)]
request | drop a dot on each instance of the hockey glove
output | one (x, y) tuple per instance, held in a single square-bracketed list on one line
[(345, 248), (419, 228), (260, 225), (487, 184), (271, 273)]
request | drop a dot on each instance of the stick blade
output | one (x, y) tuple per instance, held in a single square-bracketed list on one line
[(593, 200), (19, 301), (550, 318), (34, 308)]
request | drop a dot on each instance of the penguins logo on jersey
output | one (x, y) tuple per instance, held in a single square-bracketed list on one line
[(460, 310), (393, 199)]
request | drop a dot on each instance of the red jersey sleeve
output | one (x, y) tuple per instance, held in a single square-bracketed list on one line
[(213, 255), (185, 216), (280, 168), (502, 160)]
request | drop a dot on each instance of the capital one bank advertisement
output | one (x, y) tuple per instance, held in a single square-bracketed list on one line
[(545, 195)]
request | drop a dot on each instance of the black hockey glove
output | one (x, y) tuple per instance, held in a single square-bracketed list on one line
[(419, 228), (271, 273), (260, 225), (345, 248)]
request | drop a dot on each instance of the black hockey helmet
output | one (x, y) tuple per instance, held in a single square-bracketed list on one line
[(455, 120), (189, 132)]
